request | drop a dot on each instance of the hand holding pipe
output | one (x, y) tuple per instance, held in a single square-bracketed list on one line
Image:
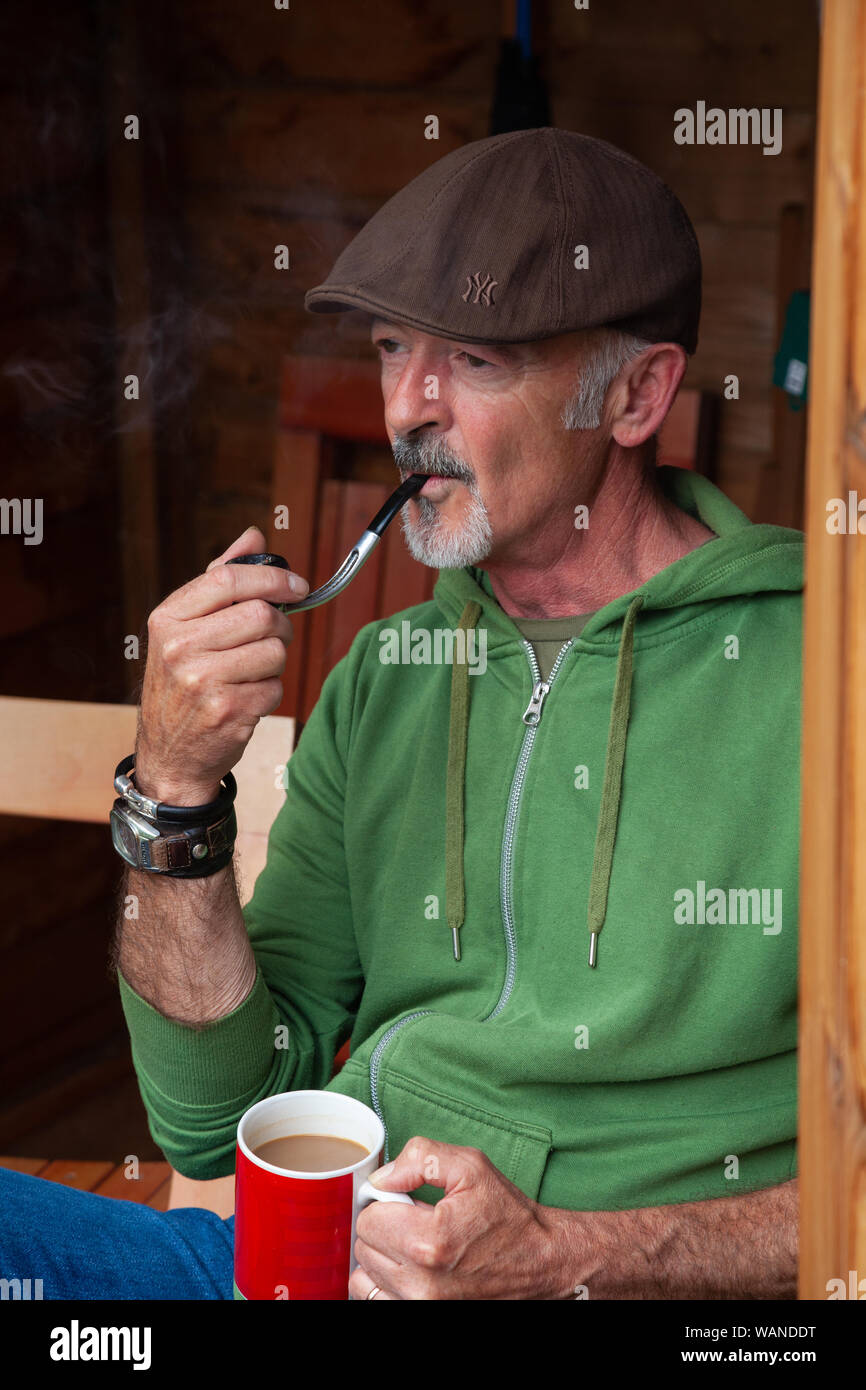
[(358, 555)]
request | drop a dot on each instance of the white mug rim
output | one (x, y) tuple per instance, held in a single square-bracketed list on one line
[(296, 1173)]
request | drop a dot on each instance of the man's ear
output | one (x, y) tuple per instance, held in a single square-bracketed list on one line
[(644, 392)]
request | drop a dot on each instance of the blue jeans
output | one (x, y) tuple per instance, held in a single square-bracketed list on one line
[(84, 1246)]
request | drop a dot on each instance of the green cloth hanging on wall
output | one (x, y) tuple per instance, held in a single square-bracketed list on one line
[(791, 363)]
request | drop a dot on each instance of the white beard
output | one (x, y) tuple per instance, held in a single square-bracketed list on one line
[(449, 545), (430, 541)]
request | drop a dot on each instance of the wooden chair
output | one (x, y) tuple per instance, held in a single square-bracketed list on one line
[(327, 403), (61, 754)]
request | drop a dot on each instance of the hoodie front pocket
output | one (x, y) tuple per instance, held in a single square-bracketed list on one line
[(519, 1150)]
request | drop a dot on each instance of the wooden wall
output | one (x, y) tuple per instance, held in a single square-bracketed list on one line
[(295, 130), (619, 72), (61, 623)]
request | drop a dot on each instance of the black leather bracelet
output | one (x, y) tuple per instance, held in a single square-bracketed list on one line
[(174, 815)]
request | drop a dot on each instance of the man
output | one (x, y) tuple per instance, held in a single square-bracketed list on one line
[(550, 895)]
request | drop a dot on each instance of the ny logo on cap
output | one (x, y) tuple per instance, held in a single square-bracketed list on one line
[(482, 288)]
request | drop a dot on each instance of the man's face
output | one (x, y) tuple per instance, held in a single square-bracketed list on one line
[(485, 421)]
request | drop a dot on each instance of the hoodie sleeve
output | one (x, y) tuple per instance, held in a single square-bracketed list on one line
[(197, 1082)]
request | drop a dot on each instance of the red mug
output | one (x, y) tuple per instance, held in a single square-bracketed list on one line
[(295, 1231)]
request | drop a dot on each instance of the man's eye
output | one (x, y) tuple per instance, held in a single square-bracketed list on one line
[(476, 361), (388, 345)]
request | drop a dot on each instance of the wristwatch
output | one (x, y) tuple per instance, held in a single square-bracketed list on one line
[(180, 841), (182, 851)]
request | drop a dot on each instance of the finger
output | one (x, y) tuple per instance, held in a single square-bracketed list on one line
[(252, 542), (392, 1229), (247, 621), (226, 584), (250, 663), (400, 1279), (427, 1161), (361, 1286)]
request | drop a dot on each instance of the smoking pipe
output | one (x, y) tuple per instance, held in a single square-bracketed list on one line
[(357, 556)]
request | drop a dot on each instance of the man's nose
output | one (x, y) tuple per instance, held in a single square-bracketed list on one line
[(414, 401)]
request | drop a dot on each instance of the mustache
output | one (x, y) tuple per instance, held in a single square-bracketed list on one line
[(430, 455)]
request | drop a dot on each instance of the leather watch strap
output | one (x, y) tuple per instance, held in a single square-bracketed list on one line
[(177, 851)]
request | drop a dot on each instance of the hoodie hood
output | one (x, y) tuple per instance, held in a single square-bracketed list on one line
[(743, 559)]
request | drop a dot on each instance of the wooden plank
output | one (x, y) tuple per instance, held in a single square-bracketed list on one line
[(404, 580), (233, 235), (333, 395), (139, 555), (28, 1066), (739, 477), (340, 620), (248, 362), (74, 858), (832, 1082), (47, 357), (298, 464), (33, 1166), (332, 138), (755, 49), (18, 830), (80, 655), (237, 435), (260, 796), (65, 970), (19, 1118), (318, 623), (36, 579), (395, 44), (728, 184), (159, 1199), (51, 261), (213, 1194), (71, 471), (85, 1174), (41, 83), (151, 1177), (62, 752), (358, 604), (678, 436)]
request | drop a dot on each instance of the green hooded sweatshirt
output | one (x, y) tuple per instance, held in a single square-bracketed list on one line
[(650, 796)]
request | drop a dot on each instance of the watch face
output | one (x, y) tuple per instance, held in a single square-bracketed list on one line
[(124, 838)]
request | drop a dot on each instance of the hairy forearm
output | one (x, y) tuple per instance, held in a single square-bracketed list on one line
[(724, 1248), (186, 951), (182, 943)]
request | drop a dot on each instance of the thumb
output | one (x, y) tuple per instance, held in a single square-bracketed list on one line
[(422, 1161), (252, 542)]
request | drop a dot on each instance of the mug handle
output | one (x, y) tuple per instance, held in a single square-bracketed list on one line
[(367, 1193)]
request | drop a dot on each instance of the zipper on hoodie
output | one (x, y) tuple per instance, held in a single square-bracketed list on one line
[(531, 718), (376, 1062)]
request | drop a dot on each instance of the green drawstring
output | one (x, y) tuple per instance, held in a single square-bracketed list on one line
[(612, 788), (455, 786)]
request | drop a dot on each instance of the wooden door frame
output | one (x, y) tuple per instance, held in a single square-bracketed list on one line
[(832, 1067)]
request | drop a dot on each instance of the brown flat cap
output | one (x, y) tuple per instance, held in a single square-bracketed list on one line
[(484, 246)]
